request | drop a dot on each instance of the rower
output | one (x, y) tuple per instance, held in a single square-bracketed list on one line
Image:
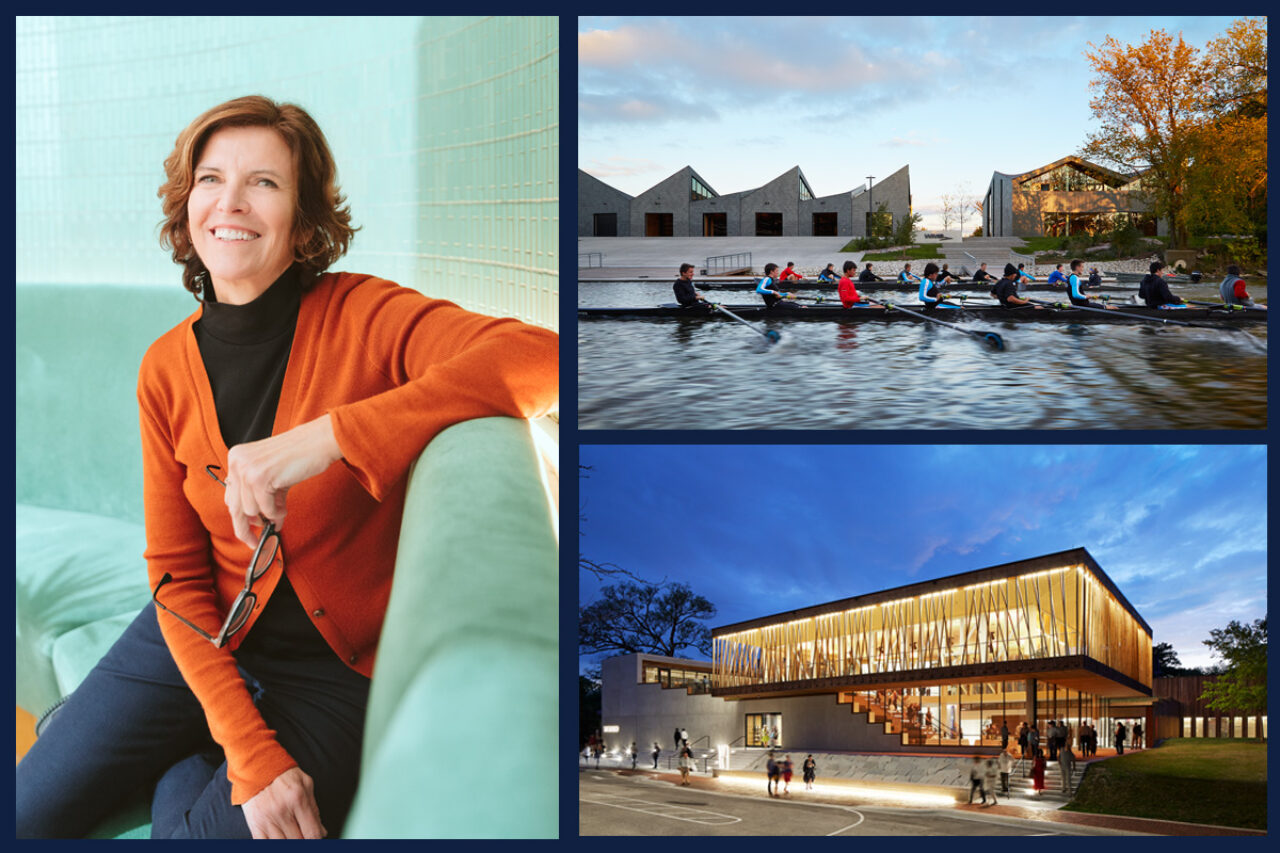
[(773, 298), (1023, 277), (790, 272), (1232, 290), (906, 276), (1006, 289), (1075, 286), (867, 275), (689, 298), (945, 275), (929, 287), (1056, 276), (983, 275), (1154, 290), (1095, 277), (847, 289), (828, 274)]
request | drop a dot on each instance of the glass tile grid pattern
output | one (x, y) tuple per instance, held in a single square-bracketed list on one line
[(445, 131)]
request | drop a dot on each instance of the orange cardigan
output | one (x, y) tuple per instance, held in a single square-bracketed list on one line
[(392, 368)]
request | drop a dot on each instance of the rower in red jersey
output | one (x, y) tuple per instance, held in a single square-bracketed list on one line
[(846, 288)]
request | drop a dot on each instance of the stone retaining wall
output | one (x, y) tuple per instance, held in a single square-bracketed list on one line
[(946, 770)]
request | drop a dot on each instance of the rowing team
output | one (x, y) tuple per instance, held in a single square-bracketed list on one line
[(1154, 289)]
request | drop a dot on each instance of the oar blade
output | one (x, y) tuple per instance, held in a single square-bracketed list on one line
[(993, 340), (773, 335)]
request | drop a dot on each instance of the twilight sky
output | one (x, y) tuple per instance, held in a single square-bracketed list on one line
[(763, 529), (742, 99)]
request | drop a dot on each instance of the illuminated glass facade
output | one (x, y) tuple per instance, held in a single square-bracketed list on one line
[(946, 662)]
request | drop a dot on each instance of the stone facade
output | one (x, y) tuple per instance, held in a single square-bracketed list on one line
[(597, 197), (783, 195)]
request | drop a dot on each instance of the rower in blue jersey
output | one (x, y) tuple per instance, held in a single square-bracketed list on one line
[(1056, 277), (829, 274), (773, 298), (1075, 287), (906, 276), (929, 295)]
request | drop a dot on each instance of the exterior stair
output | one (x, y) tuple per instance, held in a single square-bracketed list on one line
[(1020, 782)]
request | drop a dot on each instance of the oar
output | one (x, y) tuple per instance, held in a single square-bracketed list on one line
[(1111, 313), (990, 338), (771, 334), (1224, 305)]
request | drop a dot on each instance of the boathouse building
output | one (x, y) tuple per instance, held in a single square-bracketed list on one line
[(932, 666), (685, 205), (1065, 197)]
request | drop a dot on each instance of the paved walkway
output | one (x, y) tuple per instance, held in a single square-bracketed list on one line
[(1047, 811)]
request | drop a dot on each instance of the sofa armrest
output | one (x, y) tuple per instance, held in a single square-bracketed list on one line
[(462, 728)]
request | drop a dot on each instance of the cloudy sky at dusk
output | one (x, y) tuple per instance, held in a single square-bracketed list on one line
[(763, 529), (743, 99)]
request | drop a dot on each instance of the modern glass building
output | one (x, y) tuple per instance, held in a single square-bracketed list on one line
[(944, 663)]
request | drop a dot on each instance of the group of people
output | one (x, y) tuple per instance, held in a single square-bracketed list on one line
[(982, 776), (779, 774), (1008, 289)]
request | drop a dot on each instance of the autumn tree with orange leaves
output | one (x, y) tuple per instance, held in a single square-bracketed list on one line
[(1192, 123)]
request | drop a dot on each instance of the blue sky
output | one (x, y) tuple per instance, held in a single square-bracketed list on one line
[(743, 99), (763, 529)]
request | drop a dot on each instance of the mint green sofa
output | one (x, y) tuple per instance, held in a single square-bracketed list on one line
[(460, 733)]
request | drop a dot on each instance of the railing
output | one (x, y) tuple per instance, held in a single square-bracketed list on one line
[(594, 259), (1015, 258), (722, 262)]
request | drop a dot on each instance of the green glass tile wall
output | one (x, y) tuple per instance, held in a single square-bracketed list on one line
[(445, 130)]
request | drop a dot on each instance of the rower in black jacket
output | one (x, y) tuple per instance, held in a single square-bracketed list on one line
[(868, 275), (688, 297), (1006, 289), (1154, 289)]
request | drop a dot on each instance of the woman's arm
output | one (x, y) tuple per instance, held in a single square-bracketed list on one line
[(178, 544)]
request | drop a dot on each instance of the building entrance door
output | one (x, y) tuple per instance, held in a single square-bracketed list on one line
[(658, 225), (764, 730), (605, 224), (715, 225), (768, 224), (824, 224)]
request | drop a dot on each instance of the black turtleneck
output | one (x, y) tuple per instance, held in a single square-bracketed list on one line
[(245, 350)]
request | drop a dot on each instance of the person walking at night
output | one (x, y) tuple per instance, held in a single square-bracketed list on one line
[(1004, 734), (1022, 739), (810, 768), (1137, 735), (1120, 736), (1037, 773), (657, 750), (1067, 765), (975, 778), (989, 773), (1005, 762), (787, 769), (685, 763), (774, 772)]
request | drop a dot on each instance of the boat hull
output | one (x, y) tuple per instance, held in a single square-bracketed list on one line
[(1139, 314)]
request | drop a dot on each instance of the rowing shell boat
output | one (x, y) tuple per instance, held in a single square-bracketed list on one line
[(1217, 316), (966, 286)]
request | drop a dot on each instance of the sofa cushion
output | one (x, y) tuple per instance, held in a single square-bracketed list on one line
[(79, 650), (73, 569), (464, 692)]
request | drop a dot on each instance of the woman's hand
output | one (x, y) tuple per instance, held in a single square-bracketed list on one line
[(260, 473), (285, 809)]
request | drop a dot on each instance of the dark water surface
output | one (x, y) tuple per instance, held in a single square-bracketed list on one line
[(694, 374)]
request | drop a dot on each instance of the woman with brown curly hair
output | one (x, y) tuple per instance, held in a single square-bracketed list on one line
[(239, 693)]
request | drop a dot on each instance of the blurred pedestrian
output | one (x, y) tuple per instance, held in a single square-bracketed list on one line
[(787, 769), (810, 768), (657, 750), (1037, 772), (1005, 762), (1067, 764), (989, 774), (774, 773), (685, 763), (975, 777), (633, 755)]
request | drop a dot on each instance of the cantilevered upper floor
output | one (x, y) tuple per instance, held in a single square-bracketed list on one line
[(1057, 618)]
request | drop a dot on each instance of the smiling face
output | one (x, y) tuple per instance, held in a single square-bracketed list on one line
[(241, 210)]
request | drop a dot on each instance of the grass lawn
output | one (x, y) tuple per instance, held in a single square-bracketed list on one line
[(923, 252), (1038, 244), (1197, 780)]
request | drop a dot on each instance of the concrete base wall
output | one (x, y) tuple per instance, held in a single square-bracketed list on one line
[(949, 771)]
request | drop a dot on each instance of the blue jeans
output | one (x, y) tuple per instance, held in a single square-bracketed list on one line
[(134, 726)]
